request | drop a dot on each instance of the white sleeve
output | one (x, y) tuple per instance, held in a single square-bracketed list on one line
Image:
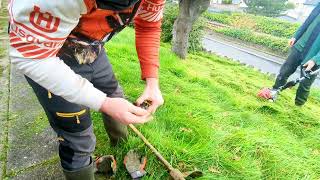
[(54, 75), (38, 30)]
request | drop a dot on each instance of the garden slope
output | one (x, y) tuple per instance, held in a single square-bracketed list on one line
[(212, 120)]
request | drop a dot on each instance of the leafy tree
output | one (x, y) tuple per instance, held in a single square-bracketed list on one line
[(269, 8)]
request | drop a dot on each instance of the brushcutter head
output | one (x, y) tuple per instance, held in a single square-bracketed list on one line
[(268, 94)]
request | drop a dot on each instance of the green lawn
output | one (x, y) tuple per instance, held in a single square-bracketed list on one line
[(212, 120)]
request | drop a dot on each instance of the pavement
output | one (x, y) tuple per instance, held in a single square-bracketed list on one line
[(32, 144)]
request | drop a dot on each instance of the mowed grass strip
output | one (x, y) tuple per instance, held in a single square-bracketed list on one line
[(212, 120)]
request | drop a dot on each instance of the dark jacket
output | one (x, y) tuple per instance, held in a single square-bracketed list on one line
[(312, 48)]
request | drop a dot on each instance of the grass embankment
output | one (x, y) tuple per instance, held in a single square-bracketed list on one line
[(212, 120), (265, 31)]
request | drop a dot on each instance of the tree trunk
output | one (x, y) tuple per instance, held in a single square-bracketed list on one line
[(189, 12)]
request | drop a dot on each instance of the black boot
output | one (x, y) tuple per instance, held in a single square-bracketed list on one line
[(86, 173), (115, 130)]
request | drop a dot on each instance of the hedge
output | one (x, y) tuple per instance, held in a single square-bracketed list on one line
[(267, 25), (274, 43)]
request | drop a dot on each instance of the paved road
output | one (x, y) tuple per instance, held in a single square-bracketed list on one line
[(265, 62)]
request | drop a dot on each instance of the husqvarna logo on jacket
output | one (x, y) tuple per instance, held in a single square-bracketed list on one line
[(39, 28), (44, 21), (152, 11)]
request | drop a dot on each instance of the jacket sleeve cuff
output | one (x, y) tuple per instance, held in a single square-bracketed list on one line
[(95, 100), (149, 71)]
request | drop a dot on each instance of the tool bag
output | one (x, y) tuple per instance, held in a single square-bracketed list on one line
[(103, 21)]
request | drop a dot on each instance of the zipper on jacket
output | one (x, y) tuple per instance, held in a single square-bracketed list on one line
[(49, 95), (70, 115)]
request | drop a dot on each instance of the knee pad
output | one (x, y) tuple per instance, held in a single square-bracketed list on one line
[(76, 148)]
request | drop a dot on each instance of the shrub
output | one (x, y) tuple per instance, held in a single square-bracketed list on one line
[(226, 1), (223, 18), (276, 27), (275, 43), (195, 36), (272, 26), (170, 15)]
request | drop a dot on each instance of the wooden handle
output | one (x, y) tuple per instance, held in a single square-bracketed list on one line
[(175, 173)]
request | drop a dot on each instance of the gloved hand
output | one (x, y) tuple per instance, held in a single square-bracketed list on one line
[(265, 93), (135, 164), (292, 41), (268, 94)]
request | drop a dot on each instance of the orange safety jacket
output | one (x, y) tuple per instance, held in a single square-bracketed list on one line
[(38, 30), (102, 24)]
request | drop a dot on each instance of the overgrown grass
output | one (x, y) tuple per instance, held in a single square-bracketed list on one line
[(212, 120)]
